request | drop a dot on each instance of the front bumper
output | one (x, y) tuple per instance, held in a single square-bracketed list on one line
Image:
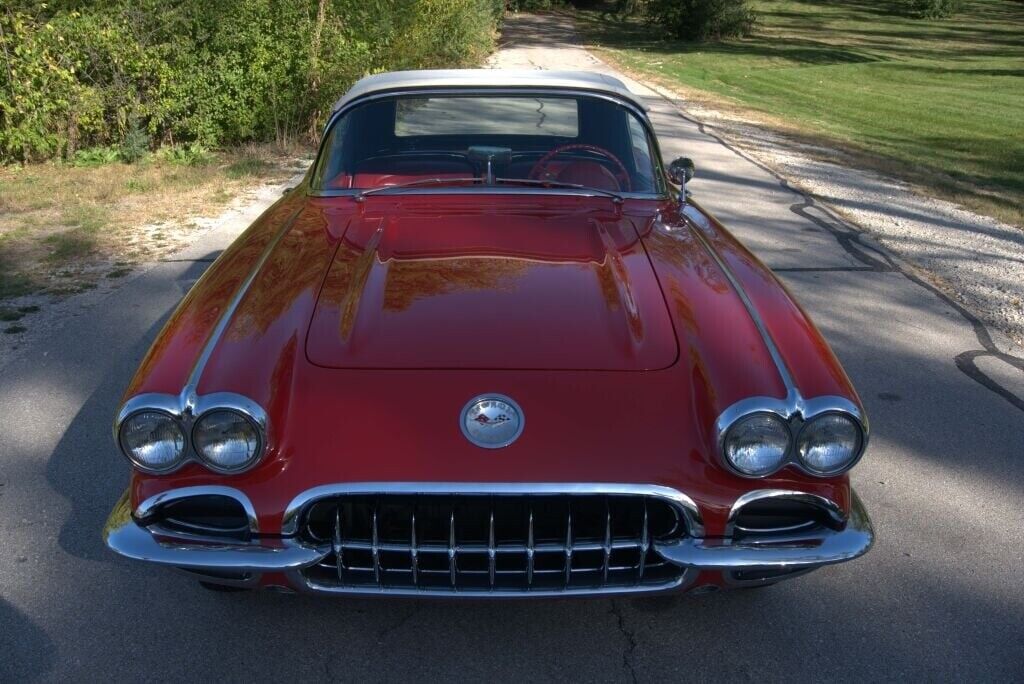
[(281, 560)]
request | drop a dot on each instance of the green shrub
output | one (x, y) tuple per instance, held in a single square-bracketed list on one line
[(192, 154), (701, 20), (139, 73), (135, 145), (96, 156), (933, 9)]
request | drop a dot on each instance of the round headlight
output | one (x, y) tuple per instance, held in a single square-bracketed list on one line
[(757, 444), (152, 440), (829, 443), (226, 440)]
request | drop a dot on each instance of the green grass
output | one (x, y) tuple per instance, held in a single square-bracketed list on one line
[(939, 102)]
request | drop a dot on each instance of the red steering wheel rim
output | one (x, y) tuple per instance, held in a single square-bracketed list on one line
[(542, 163)]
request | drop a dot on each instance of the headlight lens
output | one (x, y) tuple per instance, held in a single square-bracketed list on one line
[(757, 444), (152, 440), (226, 440), (829, 443)]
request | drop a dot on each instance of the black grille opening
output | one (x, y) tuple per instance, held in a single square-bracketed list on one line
[(492, 542), (782, 515), (206, 514)]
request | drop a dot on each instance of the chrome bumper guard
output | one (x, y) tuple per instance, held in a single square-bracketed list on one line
[(126, 537)]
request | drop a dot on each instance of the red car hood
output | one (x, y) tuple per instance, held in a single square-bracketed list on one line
[(542, 288)]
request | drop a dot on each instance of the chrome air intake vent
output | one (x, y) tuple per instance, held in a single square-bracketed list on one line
[(771, 513)]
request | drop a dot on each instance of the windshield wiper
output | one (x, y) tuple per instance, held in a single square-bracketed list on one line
[(615, 197), (361, 195)]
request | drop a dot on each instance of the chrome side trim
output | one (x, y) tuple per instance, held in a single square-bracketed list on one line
[(146, 509), (821, 502), (189, 391), (755, 315), (292, 514), (807, 550), (794, 408)]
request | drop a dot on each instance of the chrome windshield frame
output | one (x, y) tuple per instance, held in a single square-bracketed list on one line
[(652, 140)]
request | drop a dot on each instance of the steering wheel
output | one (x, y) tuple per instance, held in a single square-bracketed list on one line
[(541, 167)]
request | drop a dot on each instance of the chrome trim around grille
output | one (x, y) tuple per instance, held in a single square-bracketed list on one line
[(290, 523)]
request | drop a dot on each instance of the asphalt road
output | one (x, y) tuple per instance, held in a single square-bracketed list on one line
[(939, 597)]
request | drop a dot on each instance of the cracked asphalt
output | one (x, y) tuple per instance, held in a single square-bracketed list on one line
[(938, 598)]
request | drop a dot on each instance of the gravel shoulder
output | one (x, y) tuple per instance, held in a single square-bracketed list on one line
[(48, 314)]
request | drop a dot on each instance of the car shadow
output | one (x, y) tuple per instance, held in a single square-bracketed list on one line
[(26, 652)]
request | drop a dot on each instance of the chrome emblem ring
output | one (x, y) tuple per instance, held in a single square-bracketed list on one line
[(492, 421)]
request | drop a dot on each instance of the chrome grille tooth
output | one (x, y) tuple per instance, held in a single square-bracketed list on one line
[(529, 551), (376, 547), (644, 545), (491, 554), (568, 546), (338, 545), (607, 540), (413, 559), (451, 545)]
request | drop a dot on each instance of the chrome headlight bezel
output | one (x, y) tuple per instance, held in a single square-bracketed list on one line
[(187, 412), (785, 432), (173, 422), (209, 462), (847, 463), (797, 413)]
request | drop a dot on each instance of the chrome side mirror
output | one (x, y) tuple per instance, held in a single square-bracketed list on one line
[(680, 172)]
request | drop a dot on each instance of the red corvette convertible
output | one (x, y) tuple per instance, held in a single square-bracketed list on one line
[(490, 346)]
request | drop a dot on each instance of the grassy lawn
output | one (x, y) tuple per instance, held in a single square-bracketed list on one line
[(63, 228), (938, 102)]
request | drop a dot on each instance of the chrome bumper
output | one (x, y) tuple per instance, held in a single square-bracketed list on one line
[(792, 552), (128, 538), (124, 536)]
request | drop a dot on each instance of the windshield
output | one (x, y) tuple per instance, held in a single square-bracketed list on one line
[(433, 141)]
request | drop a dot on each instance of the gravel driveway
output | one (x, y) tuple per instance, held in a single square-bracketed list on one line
[(938, 598)]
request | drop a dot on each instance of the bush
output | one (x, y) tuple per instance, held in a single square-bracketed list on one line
[(135, 145), (95, 156), (192, 154), (933, 9), (701, 20), (136, 74)]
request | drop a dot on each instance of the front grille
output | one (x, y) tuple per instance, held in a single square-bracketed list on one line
[(565, 543)]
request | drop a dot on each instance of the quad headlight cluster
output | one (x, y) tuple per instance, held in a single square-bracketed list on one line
[(759, 443), (159, 439)]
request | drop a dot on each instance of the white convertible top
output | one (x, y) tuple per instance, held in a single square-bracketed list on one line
[(487, 78)]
